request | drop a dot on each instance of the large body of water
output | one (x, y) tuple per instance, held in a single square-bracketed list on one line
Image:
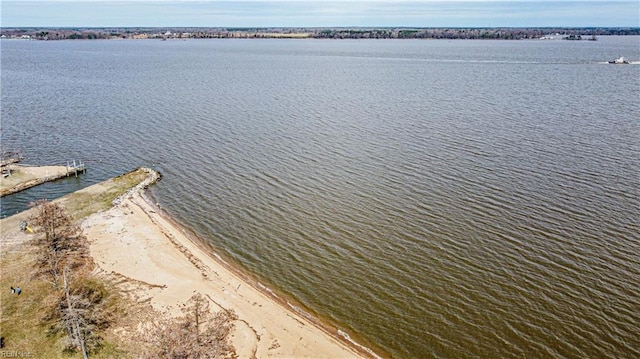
[(450, 199)]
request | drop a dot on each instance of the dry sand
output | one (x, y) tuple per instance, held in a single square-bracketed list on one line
[(133, 240), (163, 265)]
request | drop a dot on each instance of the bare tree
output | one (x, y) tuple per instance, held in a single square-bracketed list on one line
[(60, 243), (197, 334), (74, 312), (63, 254), (82, 310)]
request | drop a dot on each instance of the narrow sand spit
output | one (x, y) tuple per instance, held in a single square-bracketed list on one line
[(133, 240), (23, 177)]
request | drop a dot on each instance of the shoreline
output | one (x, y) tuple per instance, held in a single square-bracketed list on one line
[(508, 33), (254, 281), (268, 325)]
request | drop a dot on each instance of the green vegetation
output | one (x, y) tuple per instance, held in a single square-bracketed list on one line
[(55, 272), (73, 303), (82, 204), (28, 323), (65, 310)]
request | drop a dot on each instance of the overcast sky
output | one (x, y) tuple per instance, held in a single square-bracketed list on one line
[(315, 13)]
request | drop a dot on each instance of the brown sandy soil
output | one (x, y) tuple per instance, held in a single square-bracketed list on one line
[(132, 240), (157, 263), (11, 237)]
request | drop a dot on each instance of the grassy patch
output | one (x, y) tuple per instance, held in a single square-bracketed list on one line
[(23, 323), (99, 197), (21, 315)]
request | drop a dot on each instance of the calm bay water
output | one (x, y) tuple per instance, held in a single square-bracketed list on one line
[(444, 199)]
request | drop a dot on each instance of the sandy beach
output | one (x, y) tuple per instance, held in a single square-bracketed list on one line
[(165, 267), (157, 263)]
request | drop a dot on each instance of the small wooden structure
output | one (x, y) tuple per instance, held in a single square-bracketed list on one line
[(76, 168)]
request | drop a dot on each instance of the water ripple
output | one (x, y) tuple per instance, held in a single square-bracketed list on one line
[(442, 199)]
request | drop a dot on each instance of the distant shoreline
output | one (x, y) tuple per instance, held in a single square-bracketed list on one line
[(164, 33)]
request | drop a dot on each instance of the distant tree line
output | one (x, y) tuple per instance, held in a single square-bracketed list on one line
[(319, 33)]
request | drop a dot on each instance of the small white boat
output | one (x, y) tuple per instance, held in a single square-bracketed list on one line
[(619, 60)]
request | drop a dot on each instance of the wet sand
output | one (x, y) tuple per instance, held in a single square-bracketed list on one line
[(159, 262), (133, 240)]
